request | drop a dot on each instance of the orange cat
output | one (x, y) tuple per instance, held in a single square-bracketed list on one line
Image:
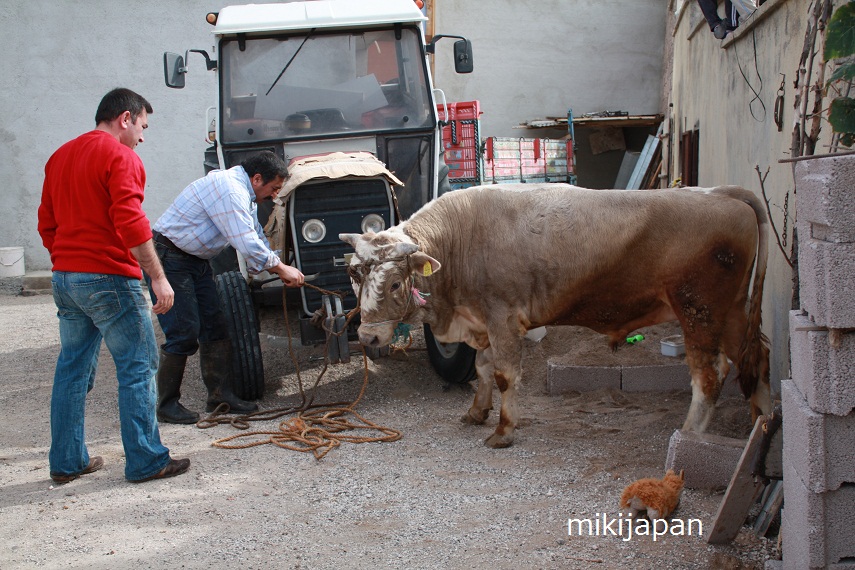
[(659, 497)]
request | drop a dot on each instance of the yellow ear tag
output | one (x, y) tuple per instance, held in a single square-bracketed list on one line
[(427, 271)]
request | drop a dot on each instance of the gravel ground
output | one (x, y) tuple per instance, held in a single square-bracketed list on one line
[(437, 498)]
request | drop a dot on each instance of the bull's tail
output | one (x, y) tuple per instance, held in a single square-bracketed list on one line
[(754, 352)]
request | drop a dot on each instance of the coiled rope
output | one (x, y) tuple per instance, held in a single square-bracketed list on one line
[(316, 428)]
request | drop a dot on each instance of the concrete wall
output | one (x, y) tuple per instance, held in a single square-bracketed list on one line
[(531, 58), (60, 59), (737, 131), (537, 58)]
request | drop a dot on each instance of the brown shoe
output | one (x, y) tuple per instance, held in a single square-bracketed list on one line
[(173, 468), (95, 463)]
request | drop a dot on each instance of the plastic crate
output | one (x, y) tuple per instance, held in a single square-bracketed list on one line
[(528, 160), (461, 142)]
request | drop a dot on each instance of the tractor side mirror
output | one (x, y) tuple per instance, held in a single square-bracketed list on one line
[(173, 70), (463, 56)]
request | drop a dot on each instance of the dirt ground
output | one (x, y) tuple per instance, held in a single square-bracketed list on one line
[(436, 498)]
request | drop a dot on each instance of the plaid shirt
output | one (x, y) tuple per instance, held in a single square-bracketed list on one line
[(215, 211)]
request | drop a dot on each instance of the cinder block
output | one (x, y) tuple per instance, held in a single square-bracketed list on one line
[(563, 377), (708, 460), (819, 447), (824, 374), (668, 377), (817, 528), (827, 282), (656, 378), (825, 200)]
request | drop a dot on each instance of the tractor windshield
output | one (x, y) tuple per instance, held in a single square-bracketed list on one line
[(323, 85)]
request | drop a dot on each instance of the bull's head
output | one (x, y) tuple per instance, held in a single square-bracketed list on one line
[(381, 272)]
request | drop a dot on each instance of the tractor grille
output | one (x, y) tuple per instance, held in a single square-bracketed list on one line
[(341, 205)]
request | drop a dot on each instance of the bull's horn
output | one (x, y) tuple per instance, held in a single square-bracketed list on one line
[(349, 238), (402, 248)]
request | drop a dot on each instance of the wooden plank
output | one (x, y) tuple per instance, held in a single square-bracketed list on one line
[(741, 493), (771, 507)]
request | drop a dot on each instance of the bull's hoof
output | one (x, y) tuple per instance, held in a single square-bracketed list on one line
[(497, 441), (476, 418)]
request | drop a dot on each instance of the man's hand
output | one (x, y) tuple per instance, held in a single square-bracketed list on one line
[(150, 263), (163, 293), (291, 276)]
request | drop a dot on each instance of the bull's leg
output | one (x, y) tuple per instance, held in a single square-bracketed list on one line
[(507, 353), (483, 402), (706, 387)]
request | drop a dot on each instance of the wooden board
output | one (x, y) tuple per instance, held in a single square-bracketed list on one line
[(741, 493)]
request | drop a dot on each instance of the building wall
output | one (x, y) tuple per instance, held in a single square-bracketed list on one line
[(738, 136), (60, 59), (537, 58)]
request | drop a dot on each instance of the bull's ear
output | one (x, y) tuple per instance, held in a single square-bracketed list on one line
[(424, 264), (349, 238)]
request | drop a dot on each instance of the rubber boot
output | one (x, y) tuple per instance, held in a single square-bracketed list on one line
[(215, 360), (170, 372)]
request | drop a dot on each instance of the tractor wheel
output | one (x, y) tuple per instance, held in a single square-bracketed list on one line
[(243, 327), (454, 362)]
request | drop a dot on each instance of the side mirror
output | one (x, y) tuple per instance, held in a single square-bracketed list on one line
[(174, 70), (463, 56)]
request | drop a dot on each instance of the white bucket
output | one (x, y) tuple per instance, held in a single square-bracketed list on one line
[(11, 261)]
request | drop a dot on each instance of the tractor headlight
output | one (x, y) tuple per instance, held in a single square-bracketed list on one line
[(373, 223), (314, 230)]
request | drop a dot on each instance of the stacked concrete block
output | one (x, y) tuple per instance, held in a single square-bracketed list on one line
[(823, 365), (819, 400)]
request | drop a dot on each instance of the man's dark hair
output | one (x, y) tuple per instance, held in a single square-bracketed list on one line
[(266, 163), (117, 102)]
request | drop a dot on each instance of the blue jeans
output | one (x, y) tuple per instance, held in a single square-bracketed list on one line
[(92, 307), (195, 315)]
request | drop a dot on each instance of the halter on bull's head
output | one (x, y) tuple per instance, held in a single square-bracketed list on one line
[(381, 271)]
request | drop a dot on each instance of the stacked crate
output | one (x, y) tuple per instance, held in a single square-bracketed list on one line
[(819, 400), (508, 159), (461, 143)]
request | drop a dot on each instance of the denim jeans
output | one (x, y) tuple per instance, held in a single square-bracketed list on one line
[(195, 315), (92, 307)]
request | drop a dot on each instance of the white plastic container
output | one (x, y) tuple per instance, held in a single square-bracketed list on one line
[(11, 261), (673, 345)]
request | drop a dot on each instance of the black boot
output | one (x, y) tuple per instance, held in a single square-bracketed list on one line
[(215, 359), (170, 371)]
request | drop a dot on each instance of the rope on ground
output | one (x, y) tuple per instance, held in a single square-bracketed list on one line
[(318, 428)]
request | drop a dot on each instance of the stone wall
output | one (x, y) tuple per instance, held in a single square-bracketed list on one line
[(819, 399)]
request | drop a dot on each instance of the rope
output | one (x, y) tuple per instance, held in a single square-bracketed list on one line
[(318, 428)]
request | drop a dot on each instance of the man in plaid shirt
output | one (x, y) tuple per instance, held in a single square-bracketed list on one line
[(209, 214)]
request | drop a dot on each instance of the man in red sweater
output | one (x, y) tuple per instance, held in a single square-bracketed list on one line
[(92, 223)]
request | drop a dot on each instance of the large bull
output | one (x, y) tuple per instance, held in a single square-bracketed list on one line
[(516, 257)]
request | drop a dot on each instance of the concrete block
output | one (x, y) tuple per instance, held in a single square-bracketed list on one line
[(817, 528), (563, 377), (656, 378), (823, 373), (708, 460), (820, 448), (827, 282), (668, 377), (824, 200)]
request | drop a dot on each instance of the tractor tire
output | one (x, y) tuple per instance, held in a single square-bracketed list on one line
[(243, 326), (454, 362)]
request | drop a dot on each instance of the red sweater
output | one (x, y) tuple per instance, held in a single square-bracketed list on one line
[(91, 211)]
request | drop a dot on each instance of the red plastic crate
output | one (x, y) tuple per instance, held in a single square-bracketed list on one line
[(461, 141)]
